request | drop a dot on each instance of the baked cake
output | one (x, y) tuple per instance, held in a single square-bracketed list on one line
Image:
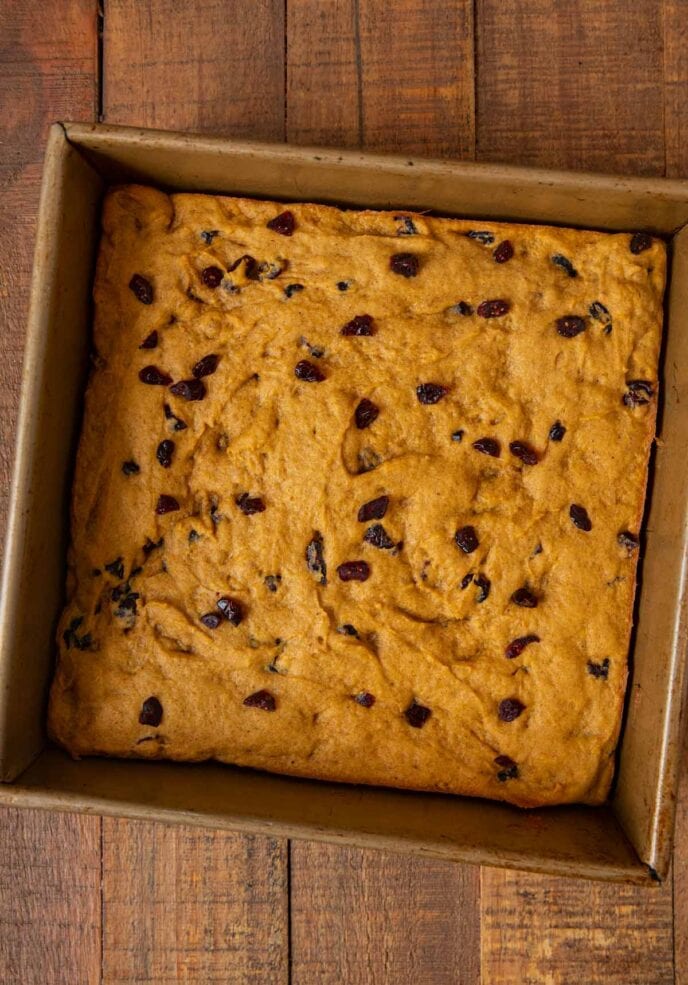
[(358, 495)]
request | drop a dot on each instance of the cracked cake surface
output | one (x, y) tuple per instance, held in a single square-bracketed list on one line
[(358, 495)]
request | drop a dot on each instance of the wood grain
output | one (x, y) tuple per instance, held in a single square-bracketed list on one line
[(680, 877), (212, 67), (372, 918), (181, 904), (571, 83), (365, 73), (676, 88), (49, 898)]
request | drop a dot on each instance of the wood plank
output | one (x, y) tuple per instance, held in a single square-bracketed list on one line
[(370, 918), (181, 904), (676, 88), (575, 84), (211, 67), (49, 898), (360, 72), (680, 877)]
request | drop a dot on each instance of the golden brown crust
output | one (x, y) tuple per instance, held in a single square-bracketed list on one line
[(133, 631)]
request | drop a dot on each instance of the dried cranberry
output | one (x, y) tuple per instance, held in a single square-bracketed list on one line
[(365, 699), (457, 435), (154, 376), (284, 223), (179, 424), (272, 582), (189, 389), (404, 264), (308, 372), (315, 557), (116, 567), (417, 715), (205, 366), (151, 712), (524, 451), (557, 431), (466, 580), (166, 504), (354, 571), (462, 308), (600, 313), (151, 545), (366, 413), (212, 276), (374, 509), (231, 609), (359, 325), (524, 597), (130, 467), (509, 770), (269, 271), (142, 288), (292, 289), (261, 699), (164, 452), (407, 227), (517, 646), (561, 261), (467, 539), (628, 540), (570, 326), (488, 446), (378, 537), (150, 341), (580, 517), (493, 309), (503, 252), (209, 235), (481, 236), (211, 619), (640, 242), (509, 709), (639, 393), (430, 393), (250, 266), (483, 584), (599, 669), (250, 504), (342, 285)]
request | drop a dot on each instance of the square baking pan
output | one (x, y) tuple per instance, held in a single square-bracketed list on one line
[(630, 838)]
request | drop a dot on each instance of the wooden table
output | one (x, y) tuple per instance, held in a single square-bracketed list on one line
[(597, 84)]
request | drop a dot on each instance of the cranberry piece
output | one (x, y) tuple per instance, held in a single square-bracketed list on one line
[(600, 313), (570, 326), (209, 235), (483, 584), (481, 236), (179, 424), (561, 261), (130, 467), (151, 545), (517, 646), (580, 517), (628, 540), (493, 309), (509, 709), (509, 770), (503, 252), (374, 509), (404, 264), (315, 557), (154, 376), (366, 413), (308, 372), (639, 392), (284, 224), (164, 452), (211, 619), (417, 715), (189, 389), (250, 266), (524, 451), (250, 504), (261, 699), (292, 289), (430, 393), (231, 609), (205, 366), (467, 539), (142, 289), (150, 341), (151, 712), (342, 285), (359, 325), (354, 571), (212, 276), (365, 699), (166, 504), (272, 582), (640, 242), (115, 568), (378, 537), (524, 597), (462, 308), (347, 630), (600, 670), (407, 227), (458, 435), (557, 431), (466, 580), (488, 446)]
